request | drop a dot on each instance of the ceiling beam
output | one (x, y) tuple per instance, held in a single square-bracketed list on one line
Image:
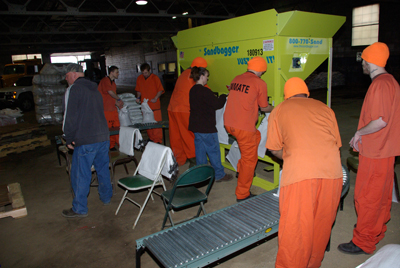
[(161, 14), (88, 31)]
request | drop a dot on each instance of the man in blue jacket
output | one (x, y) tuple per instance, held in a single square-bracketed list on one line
[(86, 132)]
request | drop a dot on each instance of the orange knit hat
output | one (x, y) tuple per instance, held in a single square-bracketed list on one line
[(257, 64), (377, 53), (199, 62), (295, 86)]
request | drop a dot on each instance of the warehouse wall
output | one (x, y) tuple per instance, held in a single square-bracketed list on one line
[(344, 54), (128, 59)]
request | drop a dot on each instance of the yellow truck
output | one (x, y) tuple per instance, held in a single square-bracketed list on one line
[(12, 72)]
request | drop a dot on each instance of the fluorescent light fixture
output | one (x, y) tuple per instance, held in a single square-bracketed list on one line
[(174, 17), (185, 13), (141, 2)]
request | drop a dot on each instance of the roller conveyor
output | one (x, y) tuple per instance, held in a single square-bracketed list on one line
[(206, 239), (209, 238)]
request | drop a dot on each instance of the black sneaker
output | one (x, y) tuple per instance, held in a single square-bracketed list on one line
[(113, 149), (250, 196), (227, 177), (69, 213), (350, 248)]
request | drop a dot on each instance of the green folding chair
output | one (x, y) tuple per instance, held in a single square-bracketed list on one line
[(185, 193), (141, 179)]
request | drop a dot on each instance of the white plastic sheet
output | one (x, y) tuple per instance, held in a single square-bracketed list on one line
[(387, 257)]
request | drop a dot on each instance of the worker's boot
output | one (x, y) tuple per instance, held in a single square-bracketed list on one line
[(192, 162)]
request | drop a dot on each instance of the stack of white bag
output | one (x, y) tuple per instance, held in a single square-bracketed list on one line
[(48, 94), (133, 109), (9, 116)]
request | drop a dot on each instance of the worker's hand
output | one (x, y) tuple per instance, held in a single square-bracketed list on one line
[(119, 103), (354, 141), (153, 100), (138, 101), (71, 146)]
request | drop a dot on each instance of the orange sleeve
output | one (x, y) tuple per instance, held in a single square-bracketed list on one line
[(139, 82), (274, 138)]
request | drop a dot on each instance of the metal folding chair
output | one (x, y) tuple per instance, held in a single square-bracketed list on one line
[(186, 194), (141, 179)]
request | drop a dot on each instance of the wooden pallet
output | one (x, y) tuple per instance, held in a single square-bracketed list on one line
[(12, 201), (22, 137)]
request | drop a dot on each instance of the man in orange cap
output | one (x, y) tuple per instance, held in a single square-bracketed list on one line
[(180, 137), (304, 133), (108, 90), (377, 141), (148, 86), (247, 93)]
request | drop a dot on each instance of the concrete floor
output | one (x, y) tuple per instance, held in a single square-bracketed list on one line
[(46, 239)]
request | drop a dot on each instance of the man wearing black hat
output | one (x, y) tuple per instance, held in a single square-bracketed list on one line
[(86, 132)]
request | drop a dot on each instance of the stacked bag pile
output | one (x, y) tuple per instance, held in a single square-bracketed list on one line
[(48, 94), (131, 108)]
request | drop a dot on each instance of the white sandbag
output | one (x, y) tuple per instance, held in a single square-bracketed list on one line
[(15, 113), (279, 187), (148, 115), (135, 113), (263, 127), (6, 120), (123, 117), (57, 109), (126, 95), (131, 104), (43, 109), (48, 79), (139, 121), (49, 68), (41, 100), (219, 118), (135, 116), (234, 155), (49, 119)]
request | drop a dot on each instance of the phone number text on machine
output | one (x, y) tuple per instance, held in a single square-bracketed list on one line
[(303, 41)]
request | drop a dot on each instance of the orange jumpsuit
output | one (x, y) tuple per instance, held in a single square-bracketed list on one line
[(180, 137), (110, 109), (247, 93), (148, 89), (311, 182), (374, 183)]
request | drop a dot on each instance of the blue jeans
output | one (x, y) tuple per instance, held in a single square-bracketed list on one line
[(208, 144), (83, 158)]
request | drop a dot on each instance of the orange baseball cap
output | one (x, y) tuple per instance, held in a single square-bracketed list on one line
[(257, 64), (295, 86), (199, 62), (377, 53)]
